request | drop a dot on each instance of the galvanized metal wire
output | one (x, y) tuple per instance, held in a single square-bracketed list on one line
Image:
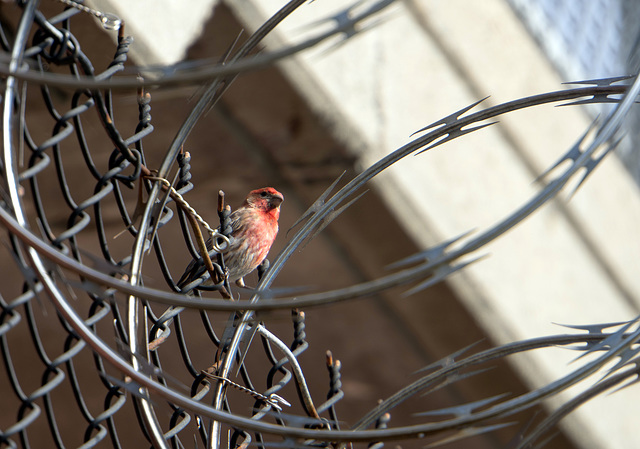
[(98, 306), (29, 182)]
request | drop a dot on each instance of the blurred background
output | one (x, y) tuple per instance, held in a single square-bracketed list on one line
[(340, 107)]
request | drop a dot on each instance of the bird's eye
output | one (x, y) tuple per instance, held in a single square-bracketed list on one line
[(264, 194)]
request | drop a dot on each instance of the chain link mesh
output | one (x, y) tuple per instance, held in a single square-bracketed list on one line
[(53, 175), (96, 339)]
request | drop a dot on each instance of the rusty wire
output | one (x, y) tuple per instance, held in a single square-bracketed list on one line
[(56, 269)]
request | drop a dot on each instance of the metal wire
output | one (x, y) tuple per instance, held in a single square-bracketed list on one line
[(103, 311), (54, 44)]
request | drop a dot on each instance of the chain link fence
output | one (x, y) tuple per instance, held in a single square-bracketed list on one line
[(109, 352)]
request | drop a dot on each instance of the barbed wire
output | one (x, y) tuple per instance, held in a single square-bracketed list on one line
[(56, 269)]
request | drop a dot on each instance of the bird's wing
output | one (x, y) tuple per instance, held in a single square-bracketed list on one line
[(196, 269)]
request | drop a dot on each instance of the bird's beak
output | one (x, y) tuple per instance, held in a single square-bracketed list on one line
[(276, 200)]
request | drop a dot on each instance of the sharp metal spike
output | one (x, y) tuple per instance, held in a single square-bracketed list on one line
[(342, 17), (594, 328), (589, 166), (573, 154), (595, 99), (625, 358), (315, 207), (629, 383), (349, 35), (455, 134), (450, 379), (328, 219), (452, 118), (428, 254), (468, 432), (440, 274), (464, 409), (132, 387), (600, 81), (449, 360), (612, 340)]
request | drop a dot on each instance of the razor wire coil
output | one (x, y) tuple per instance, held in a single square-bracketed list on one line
[(54, 45), (43, 165)]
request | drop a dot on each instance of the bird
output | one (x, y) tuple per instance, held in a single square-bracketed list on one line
[(254, 227)]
